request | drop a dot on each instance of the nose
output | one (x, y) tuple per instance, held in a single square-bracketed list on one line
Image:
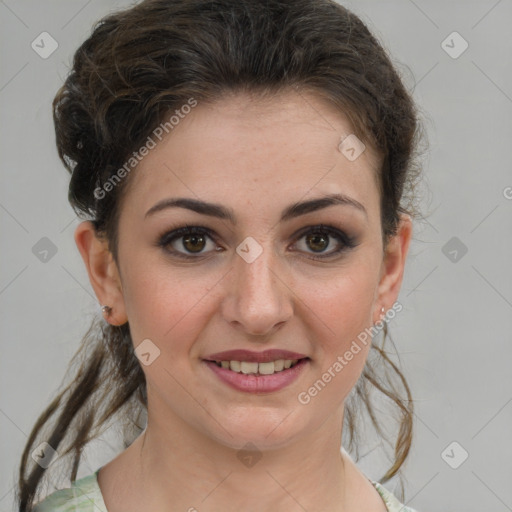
[(259, 300)]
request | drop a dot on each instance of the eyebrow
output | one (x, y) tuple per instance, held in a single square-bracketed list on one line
[(221, 212)]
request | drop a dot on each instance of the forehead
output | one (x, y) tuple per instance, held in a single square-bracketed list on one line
[(243, 146)]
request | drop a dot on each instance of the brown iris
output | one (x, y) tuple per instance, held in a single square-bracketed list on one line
[(318, 239), (190, 242)]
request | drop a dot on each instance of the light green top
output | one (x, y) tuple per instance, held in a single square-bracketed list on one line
[(84, 495)]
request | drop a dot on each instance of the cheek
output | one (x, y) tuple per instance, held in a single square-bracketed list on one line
[(341, 304), (165, 304), (340, 312)]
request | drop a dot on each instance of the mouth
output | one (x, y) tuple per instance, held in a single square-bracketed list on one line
[(255, 368), (263, 373)]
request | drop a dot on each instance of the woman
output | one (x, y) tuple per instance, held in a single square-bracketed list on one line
[(242, 167)]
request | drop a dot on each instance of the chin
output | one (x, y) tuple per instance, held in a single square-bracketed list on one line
[(264, 430)]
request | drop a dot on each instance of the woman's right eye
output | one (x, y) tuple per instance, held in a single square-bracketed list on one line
[(192, 239)]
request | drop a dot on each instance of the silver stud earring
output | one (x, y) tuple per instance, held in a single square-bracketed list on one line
[(106, 310)]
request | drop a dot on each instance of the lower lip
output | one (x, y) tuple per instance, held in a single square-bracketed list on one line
[(258, 383)]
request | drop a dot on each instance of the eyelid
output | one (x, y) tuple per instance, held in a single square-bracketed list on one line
[(330, 230)]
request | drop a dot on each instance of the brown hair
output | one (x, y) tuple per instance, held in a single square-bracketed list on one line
[(145, 62)]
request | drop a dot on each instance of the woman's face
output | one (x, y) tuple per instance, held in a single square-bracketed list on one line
[(251, 282)]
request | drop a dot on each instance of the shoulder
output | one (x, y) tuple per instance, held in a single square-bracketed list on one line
[(84, 495), (392, 503)]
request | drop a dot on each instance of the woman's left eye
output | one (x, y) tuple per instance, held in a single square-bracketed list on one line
[(317, 238)]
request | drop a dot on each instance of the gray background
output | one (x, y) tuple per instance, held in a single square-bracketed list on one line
[(454, 334)]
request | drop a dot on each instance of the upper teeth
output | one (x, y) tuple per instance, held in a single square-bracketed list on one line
[(261, 368)]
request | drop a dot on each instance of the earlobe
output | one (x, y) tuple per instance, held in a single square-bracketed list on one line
[(102, 271)]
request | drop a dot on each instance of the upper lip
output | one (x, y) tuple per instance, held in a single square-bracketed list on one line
[(254, 357)]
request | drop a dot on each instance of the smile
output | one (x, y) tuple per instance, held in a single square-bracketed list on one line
[(254, 377)]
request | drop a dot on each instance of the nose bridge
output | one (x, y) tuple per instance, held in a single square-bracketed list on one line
[(260, 299), (255, 267)]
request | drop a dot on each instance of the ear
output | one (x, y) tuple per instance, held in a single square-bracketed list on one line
[(102, 270), (393, 265)]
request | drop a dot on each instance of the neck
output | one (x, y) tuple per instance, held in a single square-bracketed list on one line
[(180, 465)]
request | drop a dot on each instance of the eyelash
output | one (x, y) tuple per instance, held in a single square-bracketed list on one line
[(347, 242)]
